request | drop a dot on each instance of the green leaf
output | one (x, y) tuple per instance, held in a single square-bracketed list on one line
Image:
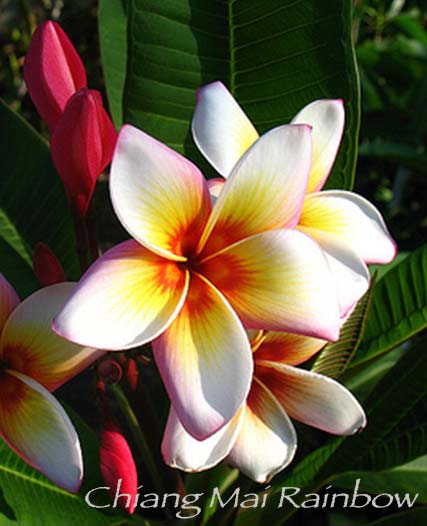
[(408, 478), (33, 206), (399, 307), (112, 35), (275, 56), (395, 152), (411, 27), (335, 356), (394, 403)]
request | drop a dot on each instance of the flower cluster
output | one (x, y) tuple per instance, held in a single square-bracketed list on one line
[(234, 281)]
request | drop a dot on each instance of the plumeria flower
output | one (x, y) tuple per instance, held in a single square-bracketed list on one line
[(261, 440), (33, 362), (194, 274), (349, 229)]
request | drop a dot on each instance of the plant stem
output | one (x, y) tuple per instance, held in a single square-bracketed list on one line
[(139, 437)]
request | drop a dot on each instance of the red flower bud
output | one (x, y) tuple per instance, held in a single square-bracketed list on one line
[(47, 268), (53, 71), (82, 146), (117, 463)]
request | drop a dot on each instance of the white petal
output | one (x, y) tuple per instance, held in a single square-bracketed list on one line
[(313, 399), (37, 428), (350, 220), (220, 128), (327, 120), (180, 450), (267, 441)]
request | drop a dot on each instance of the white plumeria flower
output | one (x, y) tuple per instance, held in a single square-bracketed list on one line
[(33, 362), (261, 440), (349, 229)]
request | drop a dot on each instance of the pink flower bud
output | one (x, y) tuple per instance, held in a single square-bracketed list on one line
[(117, 463), (47, 268), (82, 146), (53, 71)]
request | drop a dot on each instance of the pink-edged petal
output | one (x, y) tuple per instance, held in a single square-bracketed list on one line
[(161, 198), (9, 300), (265, 190), (350, 274), (327, 120), (38, 429), (221, 130), (278, 280), (313, 399), (29, 345), (267, 441), (285, 347), (205, 360), (215, 186), (350, 220), (127, 297), (180, 450)]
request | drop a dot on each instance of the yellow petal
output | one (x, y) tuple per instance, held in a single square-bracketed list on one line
[(265, 190), (205, 360), (29, 345), (278, 280), (37, 428), (285, 347), (160, 197), (348, 219), (128, 297)]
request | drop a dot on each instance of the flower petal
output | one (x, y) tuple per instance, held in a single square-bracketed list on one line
[(180, 450), (327, 119), (278, 280), (221, 130), (9, 300), (350, 274), (267, 440), (215, 187), (285, 347), (350, 220), (82, 145), (265, 190), (38, 429), (29, 345), (127, 297), (53, 71), (161, 198), (312, 398), (205, 361)]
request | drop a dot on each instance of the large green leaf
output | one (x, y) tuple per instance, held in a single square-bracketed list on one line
[(394, 403), (33, 206), (408, 478), (275, 56), (399, 307), (112, 35)]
